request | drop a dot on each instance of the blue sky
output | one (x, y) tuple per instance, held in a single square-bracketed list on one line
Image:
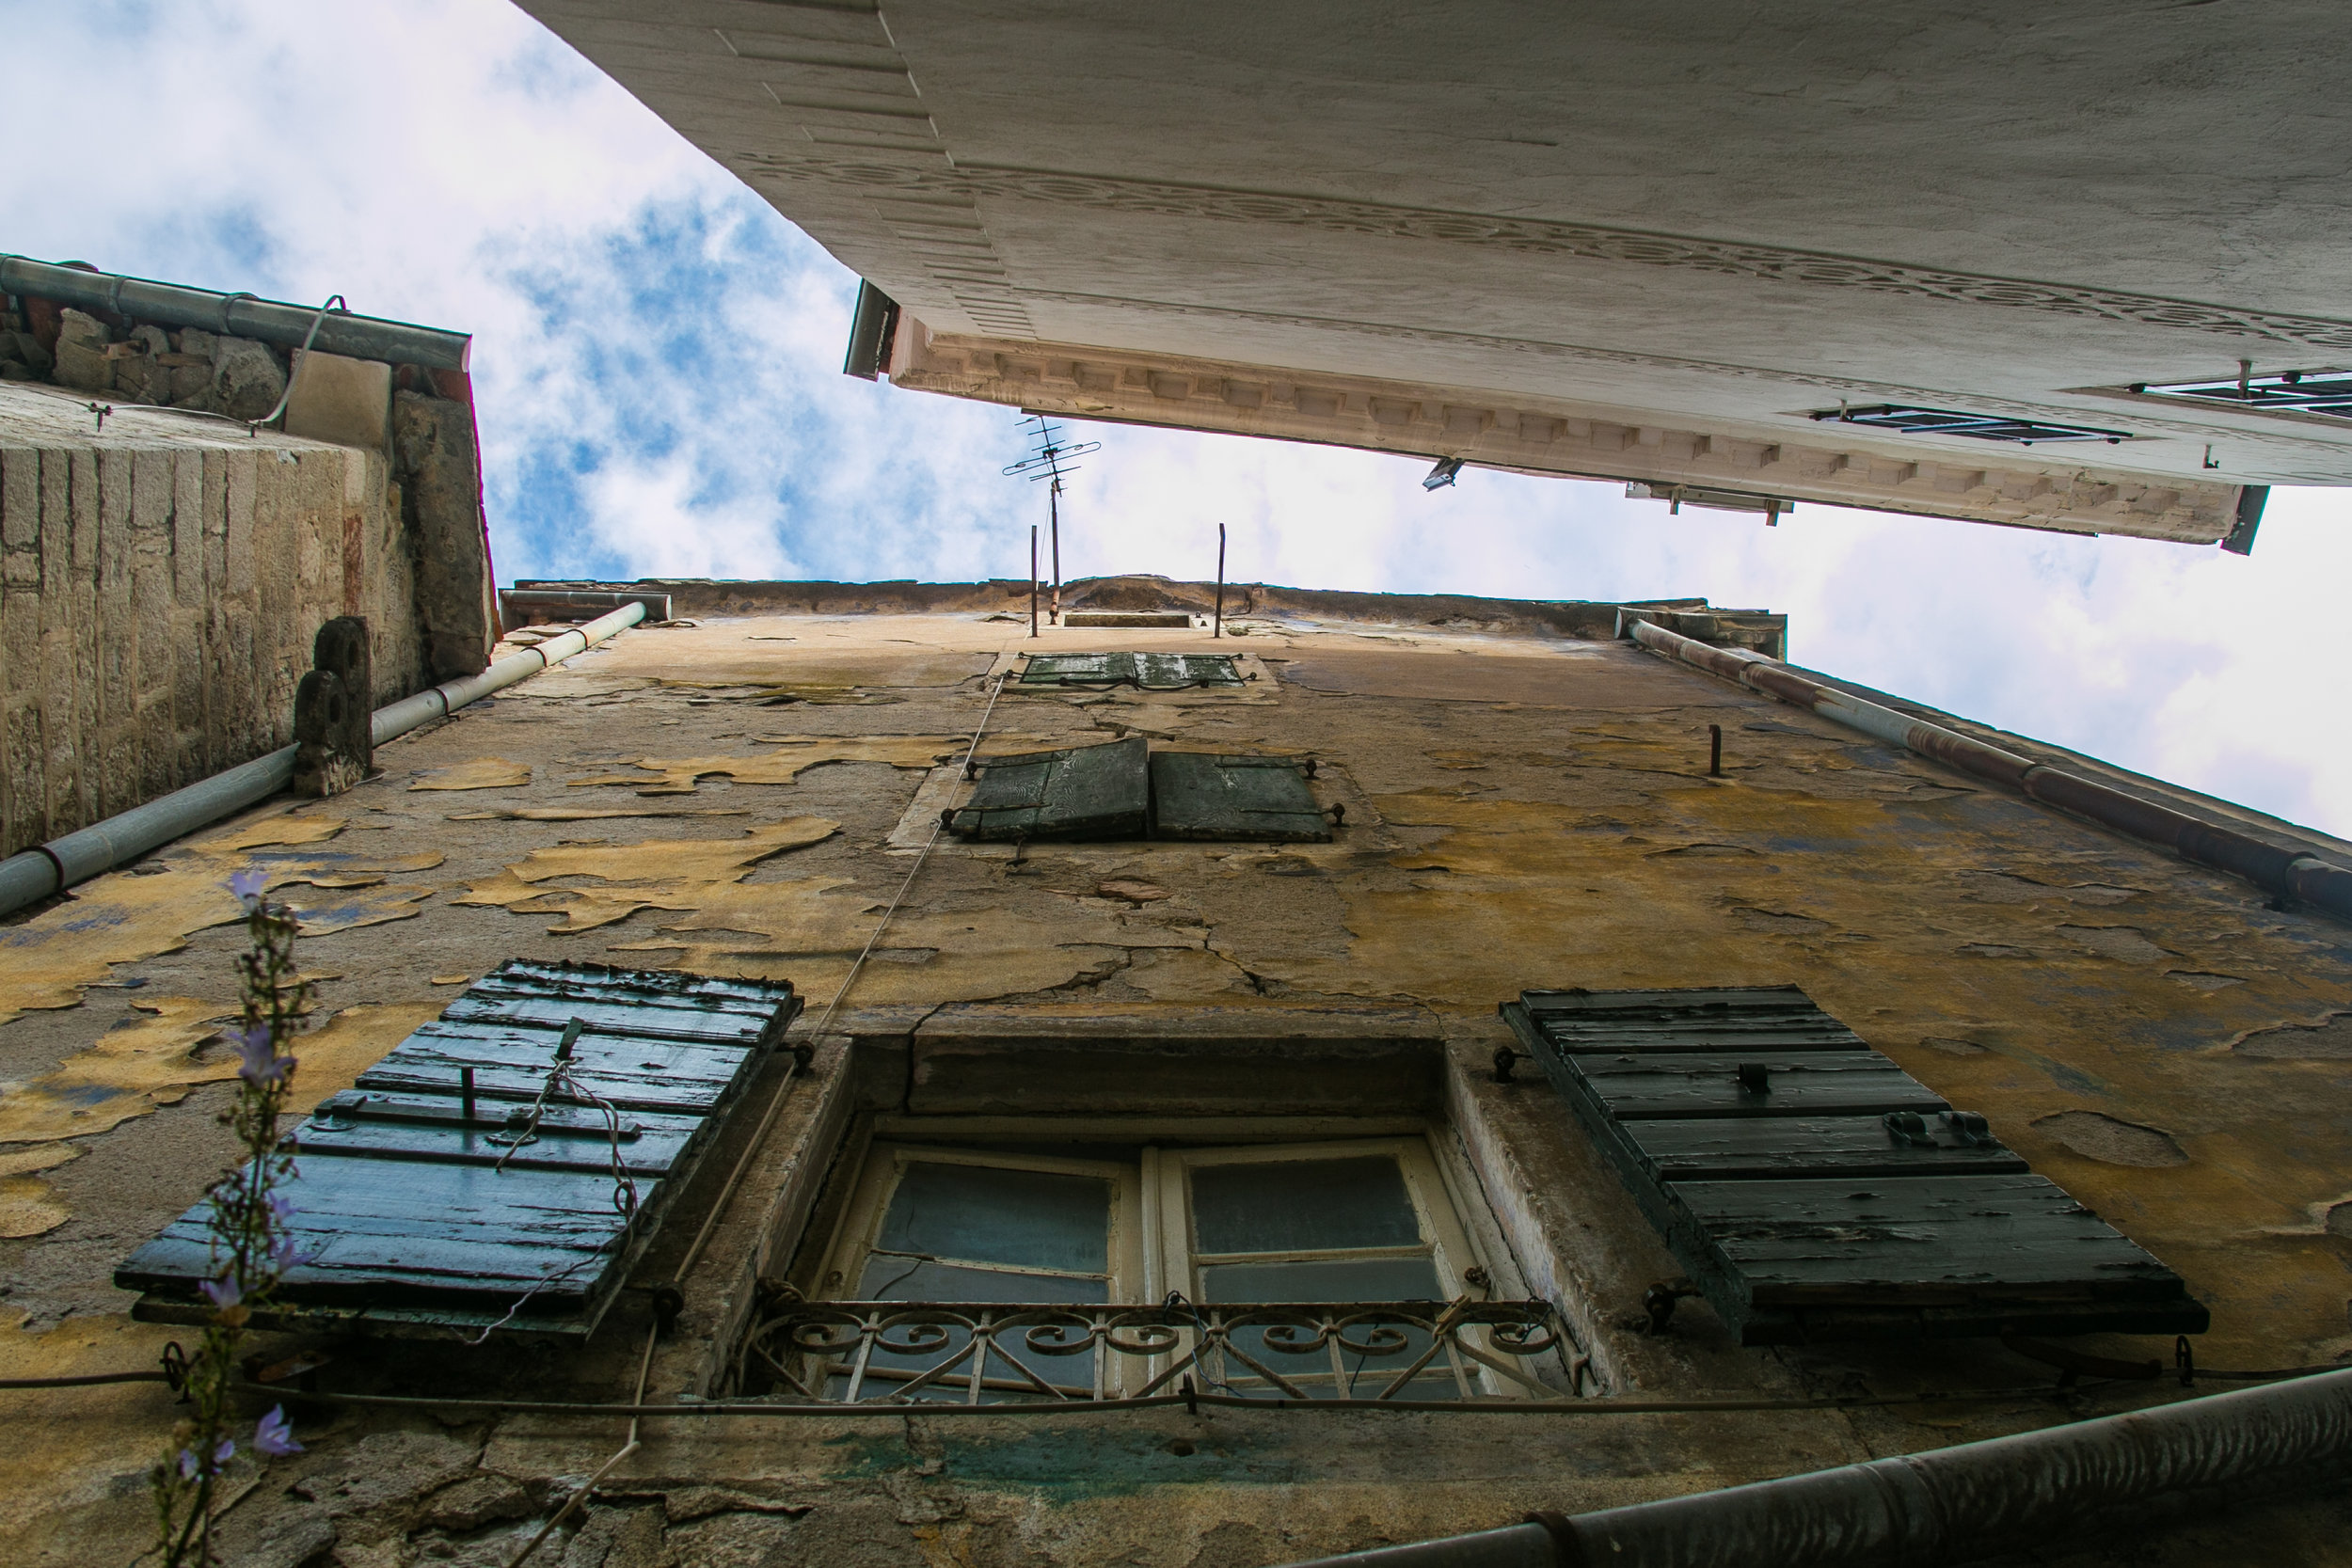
[(656, 370)]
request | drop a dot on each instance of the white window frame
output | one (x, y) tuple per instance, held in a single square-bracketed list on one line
[(886, 1164), (1151, 1241), (1168, 1221), (1152, 1230)]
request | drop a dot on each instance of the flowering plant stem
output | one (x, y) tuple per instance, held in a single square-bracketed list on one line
[(252, 1248)]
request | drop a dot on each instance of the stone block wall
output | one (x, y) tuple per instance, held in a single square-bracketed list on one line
[(142, 361), (161, 580)]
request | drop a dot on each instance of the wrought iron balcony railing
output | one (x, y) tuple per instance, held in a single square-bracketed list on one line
[(895, 1352)]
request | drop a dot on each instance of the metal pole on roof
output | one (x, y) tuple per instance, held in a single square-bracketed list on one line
[(1219, 630), (1051, 461), (1032, 579)]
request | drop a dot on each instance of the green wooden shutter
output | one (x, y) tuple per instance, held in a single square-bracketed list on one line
[(1198, 795), (1080, 793), (1815, 1191), (405, 1217), (1152, 672)]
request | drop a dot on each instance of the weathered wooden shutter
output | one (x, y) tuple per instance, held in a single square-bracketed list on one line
[(1152, 672), (399, 1201), (1815, 1191), (1196, 795), (1085, 792)]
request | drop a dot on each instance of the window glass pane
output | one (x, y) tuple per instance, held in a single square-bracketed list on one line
[(980, 1213), (1302, 1205), (891, 1278), (1338, 1279)]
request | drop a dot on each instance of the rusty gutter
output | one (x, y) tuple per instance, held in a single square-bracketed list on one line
[(2285, 873), (2114, 1475)]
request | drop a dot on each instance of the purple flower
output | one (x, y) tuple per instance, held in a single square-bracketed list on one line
[(260, 1063), (223, 1292), (248, 884), (191, 1465), (285, 1253), (280, 1207), (274, 1436)]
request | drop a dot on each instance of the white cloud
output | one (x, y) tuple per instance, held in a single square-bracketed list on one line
[(656, 360), (654, 516)]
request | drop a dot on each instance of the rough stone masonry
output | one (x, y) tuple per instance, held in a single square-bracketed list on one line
[(167, 565)]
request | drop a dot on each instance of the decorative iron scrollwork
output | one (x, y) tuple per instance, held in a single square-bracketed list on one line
[(890, 1353)]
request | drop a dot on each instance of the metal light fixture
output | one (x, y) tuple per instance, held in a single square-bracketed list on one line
[(1442, 475), (1774, 508)]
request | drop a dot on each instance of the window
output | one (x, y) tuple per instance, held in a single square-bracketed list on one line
[(1126, 790), (1152, 672), (2327, 392), (970, 1224), (1982, 427), (1355, 1221), (1330, 1270)]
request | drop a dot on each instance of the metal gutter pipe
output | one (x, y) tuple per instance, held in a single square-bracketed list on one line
[(1947, 1505), (237, 315), (446, 698), (2287, 873), (514, 604), (62, 863)]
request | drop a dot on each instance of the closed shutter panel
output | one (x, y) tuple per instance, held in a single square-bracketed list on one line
[(1196, 795), (1815, 1191), (1085, 792), (398, 1199), (1152, 672)]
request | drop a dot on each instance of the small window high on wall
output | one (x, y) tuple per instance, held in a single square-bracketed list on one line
[(1148, 671)]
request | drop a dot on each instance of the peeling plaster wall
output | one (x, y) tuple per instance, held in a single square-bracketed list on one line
[(745, 797), (164, 578)]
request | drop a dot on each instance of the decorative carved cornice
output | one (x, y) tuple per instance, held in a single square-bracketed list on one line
[(2041, 489), (1849, 387), (1582, 241)]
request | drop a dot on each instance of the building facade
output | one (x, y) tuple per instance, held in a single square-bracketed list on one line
[(1166, 1056)]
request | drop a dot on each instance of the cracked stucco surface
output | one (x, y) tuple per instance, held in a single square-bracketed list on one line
[(1519, 813)]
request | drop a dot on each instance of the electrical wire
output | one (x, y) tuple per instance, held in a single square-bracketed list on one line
[(333, 302), (252, 427), (572, 1504), (720, 1409), (759, 1135), (752, 1147), (637, 1410)]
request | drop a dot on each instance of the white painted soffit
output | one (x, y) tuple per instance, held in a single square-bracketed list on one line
[(1818, 463)]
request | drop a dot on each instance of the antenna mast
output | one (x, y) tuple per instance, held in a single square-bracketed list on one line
[(1051, 461)]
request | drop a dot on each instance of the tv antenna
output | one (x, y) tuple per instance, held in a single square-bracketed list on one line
[(1051, 461)]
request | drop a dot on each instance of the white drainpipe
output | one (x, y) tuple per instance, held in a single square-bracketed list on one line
[(62, 863)]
